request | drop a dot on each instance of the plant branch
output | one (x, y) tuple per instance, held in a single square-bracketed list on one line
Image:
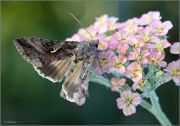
[(153, 108)]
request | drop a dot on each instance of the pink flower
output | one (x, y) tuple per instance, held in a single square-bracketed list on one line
[(116, 83), (145, 34), (139, 55), (175, 48), (131, 26), (120, 37), (158, 44), (105, 59), (134, 71), (173, 71), (105, 23), (117, 64), (112, 43), (135, 41), (156, 59), (160, 28), (103, 42), (139, 84), (128, 102), (149, 18), (122, 49)]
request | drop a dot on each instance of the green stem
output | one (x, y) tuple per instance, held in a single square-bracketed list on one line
[(153, 108), (157, 111)]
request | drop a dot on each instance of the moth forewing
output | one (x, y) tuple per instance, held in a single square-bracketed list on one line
[(56, 70), (72, 82), (75, 88)]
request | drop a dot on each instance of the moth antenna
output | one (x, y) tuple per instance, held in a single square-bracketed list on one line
[(81, 25)]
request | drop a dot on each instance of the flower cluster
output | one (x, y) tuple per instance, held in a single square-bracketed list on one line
[(132, 50)]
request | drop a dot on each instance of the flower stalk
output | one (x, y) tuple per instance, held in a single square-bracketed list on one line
[(157, 111)]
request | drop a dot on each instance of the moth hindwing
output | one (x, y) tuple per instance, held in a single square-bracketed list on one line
[(55, 60)]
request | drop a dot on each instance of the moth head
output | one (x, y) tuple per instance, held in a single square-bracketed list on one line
[(93, 45)]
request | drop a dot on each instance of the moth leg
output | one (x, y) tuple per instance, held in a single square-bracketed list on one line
[(85, 73)]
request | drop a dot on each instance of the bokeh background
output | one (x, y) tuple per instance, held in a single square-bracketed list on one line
[(27, 98)]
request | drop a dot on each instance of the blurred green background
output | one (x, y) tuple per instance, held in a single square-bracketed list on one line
[(29, 99)]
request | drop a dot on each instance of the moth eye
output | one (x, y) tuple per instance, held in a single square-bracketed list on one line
[(96, 45)]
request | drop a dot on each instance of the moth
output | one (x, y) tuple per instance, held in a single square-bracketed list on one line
[(54, 60)]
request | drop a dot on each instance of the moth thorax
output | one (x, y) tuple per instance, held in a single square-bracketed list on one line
[(87, 49), (94, 43)]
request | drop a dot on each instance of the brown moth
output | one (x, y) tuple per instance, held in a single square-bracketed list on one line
[(55, 60)]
